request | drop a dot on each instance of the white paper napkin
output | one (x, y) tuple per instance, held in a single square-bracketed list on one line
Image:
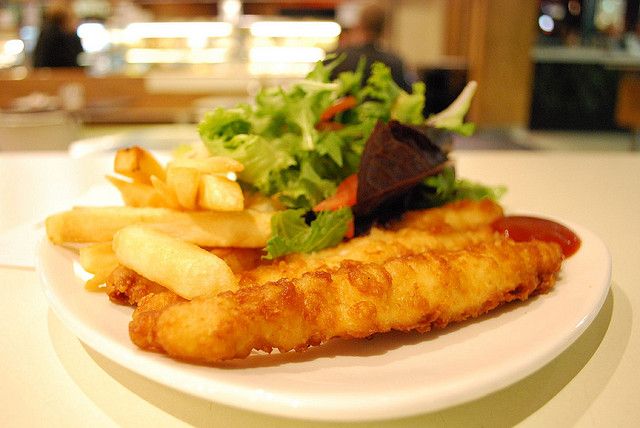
[(17, 245)]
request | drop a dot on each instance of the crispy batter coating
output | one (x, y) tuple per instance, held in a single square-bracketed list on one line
[(378, 246), (127, 287), (240, 259), (425, 271), (142, 328), (460, 215), (357, 299), (452, 226)]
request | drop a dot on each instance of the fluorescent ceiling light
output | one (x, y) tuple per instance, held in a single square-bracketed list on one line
[(286, 54), (318, 29), (10, 52), (170, 56), (13, 47), (148, 30), (279, 69), (94, 36)]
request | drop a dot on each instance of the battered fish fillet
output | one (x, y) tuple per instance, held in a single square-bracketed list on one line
[(378, 246), (460, 215), (453, 226), (126, 287), (145, 318), (355, 300), (240, 259)]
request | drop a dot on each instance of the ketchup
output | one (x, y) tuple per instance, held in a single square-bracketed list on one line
[(524, 228)]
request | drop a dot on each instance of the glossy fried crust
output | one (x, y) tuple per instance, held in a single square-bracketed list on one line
[(453, 226), (460, 215), (142, 328), (427, 270), (412, 292), (378, 246), (127, 287)]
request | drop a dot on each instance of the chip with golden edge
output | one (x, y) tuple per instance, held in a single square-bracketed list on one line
[(244, 229), (184, 268), (184, 182), (218, 193), (259, 202), (138, 164), (209, 165), (166, 193), (99, 260), (136, 194)]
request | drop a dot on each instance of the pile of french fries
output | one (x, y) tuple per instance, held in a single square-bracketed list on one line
[(173, 220)]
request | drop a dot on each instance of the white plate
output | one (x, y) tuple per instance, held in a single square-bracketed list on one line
[(389, 376)]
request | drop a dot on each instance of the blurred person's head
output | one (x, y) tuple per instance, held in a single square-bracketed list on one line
[(372, 21), (60, 13)]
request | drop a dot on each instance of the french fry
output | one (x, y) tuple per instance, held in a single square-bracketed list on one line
[(100, 260), (184, 268), (239, 259), (97, 224), (138, 164), (244, 229), (184, 182), (218, 193), (259, 202), (94, 283), (209, 165), (98, 257), (136, 194), (166, 193)]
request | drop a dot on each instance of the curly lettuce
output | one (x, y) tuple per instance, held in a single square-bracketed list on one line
[(287, 154)]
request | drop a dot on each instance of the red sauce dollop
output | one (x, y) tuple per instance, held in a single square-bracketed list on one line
[(524, 228)]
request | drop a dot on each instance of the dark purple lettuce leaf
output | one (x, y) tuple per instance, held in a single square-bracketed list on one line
[(396, 159)]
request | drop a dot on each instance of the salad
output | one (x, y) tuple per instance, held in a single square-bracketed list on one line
[(331, 153)]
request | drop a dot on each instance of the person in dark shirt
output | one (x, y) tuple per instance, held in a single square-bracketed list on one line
[(364, 41), (58, 44)]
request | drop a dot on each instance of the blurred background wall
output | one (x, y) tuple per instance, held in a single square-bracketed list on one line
[(542, 64)]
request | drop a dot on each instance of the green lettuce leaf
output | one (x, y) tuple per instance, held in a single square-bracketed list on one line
[(224, 124), (277, 141), (291, 234), (452, 118), (408, 107), (259, 156), (445, 187), (286, 155), (305, 188)]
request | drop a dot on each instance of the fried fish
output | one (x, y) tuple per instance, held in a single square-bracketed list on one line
[(355, 300), (424, 271), (453, 226)]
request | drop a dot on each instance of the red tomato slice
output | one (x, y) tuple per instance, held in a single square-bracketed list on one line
[(329, 126), (345, 196), (351, 230), (343, 104)]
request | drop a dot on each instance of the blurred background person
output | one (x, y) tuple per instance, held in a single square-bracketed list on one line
[(365, 39), (58, 43)]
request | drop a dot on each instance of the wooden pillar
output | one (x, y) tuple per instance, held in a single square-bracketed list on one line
[(457, 19), (501, 34)]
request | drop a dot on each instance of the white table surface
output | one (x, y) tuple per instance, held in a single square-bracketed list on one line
[(51, 379)]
